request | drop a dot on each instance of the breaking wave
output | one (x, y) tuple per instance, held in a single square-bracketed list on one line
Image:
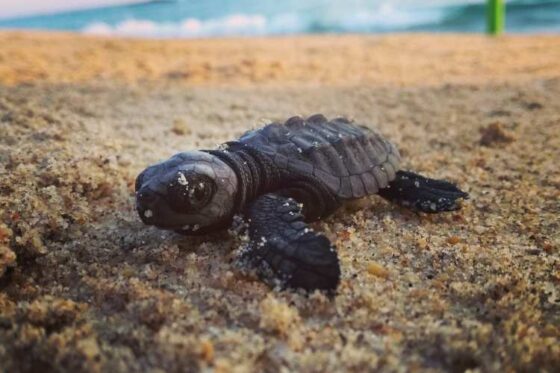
[(385, 18)]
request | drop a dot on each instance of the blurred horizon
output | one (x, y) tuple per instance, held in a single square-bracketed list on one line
[(212, 18)]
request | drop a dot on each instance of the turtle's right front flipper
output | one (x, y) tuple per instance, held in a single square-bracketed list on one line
[(282, 243)]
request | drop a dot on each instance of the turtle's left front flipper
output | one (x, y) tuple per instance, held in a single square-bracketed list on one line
[(283, 245), (420, 193)]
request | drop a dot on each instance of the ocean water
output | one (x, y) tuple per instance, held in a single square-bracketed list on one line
[(212, 18)]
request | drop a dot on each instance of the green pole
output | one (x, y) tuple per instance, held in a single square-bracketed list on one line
[(495, 16)]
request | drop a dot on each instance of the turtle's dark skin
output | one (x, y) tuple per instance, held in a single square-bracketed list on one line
[(281, 177)]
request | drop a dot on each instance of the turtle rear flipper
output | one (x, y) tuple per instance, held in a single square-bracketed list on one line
[(283, 245), (420, 193)]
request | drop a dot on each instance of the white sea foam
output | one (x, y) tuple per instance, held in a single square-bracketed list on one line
[(387, 17), (383, 18), (237, 24)]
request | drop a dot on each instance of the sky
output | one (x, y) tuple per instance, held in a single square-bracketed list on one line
[(19, 8)]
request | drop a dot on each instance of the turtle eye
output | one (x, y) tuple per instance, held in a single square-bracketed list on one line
[(200, 193), (189, 192)]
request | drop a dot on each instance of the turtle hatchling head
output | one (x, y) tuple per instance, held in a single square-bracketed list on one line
[(191, 192)]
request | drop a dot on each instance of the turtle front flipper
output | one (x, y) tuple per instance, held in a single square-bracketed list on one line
[(282, 245), (420, 193)]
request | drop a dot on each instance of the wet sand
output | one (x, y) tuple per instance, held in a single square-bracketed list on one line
[(84, 286)]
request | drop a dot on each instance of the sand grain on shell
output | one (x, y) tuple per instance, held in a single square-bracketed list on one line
[(87, 287)]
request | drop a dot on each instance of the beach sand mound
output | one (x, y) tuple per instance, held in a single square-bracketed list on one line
[(84, 286)]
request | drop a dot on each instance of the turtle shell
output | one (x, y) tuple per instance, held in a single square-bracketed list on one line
[(351, 160)]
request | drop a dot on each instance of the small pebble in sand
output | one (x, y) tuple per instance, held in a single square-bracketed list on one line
[(179, 127), (5, 233), (377, 270), (422, 243), (207, 350), (533, 105), (7, 258), (453, 240), (495, 133), (343, 235), (277, 316)]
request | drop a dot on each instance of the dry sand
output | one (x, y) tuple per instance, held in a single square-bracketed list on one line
[(85, 286)]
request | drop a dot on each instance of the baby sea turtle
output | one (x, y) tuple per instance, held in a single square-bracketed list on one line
[(281, 177)]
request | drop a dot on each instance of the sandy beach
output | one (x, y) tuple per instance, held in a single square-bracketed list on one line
[(85, 286)]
